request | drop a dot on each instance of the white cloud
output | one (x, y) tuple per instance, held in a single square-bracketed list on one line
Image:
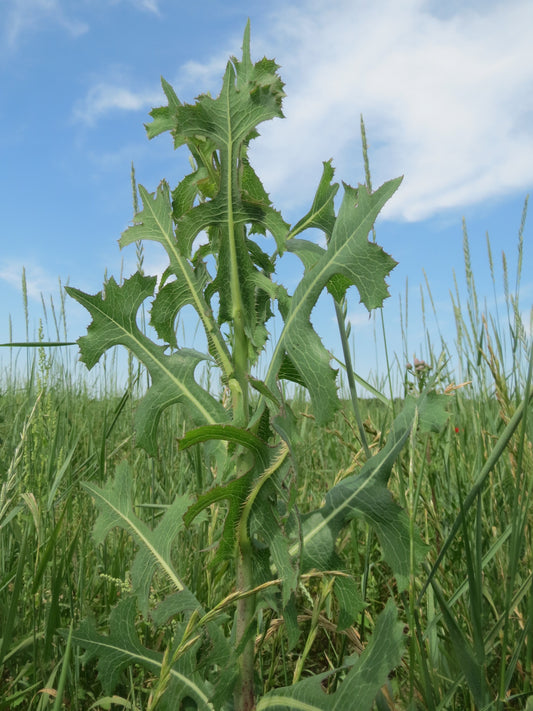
[(23, 16), (447, 100), (148, 5), (38, 281), (359, 319), (106, 96), (20, 17), (206, 75)]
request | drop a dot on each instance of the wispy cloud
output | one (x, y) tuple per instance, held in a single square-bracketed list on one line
[(38, 280), (145, 5), (150, 5), (105, 97), (204, 75), (24, 16), (447, 99), (359, 319)]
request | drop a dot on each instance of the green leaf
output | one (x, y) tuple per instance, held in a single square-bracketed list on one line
[(228, 433), (270, 517), (114, 323), (122, 648), (472, 668), (371, 671), (155, 223), (257, 202), (184, 195), (292, 628), (163, 118), (322, 213), (251, 94), (241, 493), (235, 493), (363, 681), (362, 263), (365, 494), (115, 505), (268, 526), (308, 252), (169, 301), (351, 603), (434, 414)]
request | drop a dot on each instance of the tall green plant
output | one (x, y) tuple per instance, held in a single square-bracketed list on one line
[(249, 436)]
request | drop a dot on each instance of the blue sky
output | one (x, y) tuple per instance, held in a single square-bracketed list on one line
[(447, 97)]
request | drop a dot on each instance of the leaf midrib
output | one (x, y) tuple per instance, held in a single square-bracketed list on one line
[(97, 493), (314, 277), (150, 357), (199, 303)]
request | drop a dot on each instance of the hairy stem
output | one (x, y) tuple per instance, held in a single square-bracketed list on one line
[(244, 696)]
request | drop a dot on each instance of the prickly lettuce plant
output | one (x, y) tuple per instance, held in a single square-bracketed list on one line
[(249, 435)]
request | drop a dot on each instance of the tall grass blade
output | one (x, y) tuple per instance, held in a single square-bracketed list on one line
[(478, 485), (8, 623)]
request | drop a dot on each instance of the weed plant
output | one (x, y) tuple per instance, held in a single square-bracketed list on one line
[(463, 480)]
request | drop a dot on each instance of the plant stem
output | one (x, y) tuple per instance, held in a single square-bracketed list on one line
[(244, 696), (351, 380)]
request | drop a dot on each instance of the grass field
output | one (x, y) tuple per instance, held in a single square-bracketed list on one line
[(468, 609)]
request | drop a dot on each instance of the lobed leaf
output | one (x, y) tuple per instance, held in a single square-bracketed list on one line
[(155, 223), (235, 493), (362, 683), (366, 494), (121, 648), (115, 506), (114, 323), (228, 433), (360, 262), (269, 516), (218, 132), (163, 117), (322, 213)]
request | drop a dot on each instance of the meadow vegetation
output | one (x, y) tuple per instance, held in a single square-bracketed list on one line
[(194, 571)]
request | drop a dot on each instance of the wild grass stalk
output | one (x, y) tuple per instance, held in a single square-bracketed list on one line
[(368, 183)]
